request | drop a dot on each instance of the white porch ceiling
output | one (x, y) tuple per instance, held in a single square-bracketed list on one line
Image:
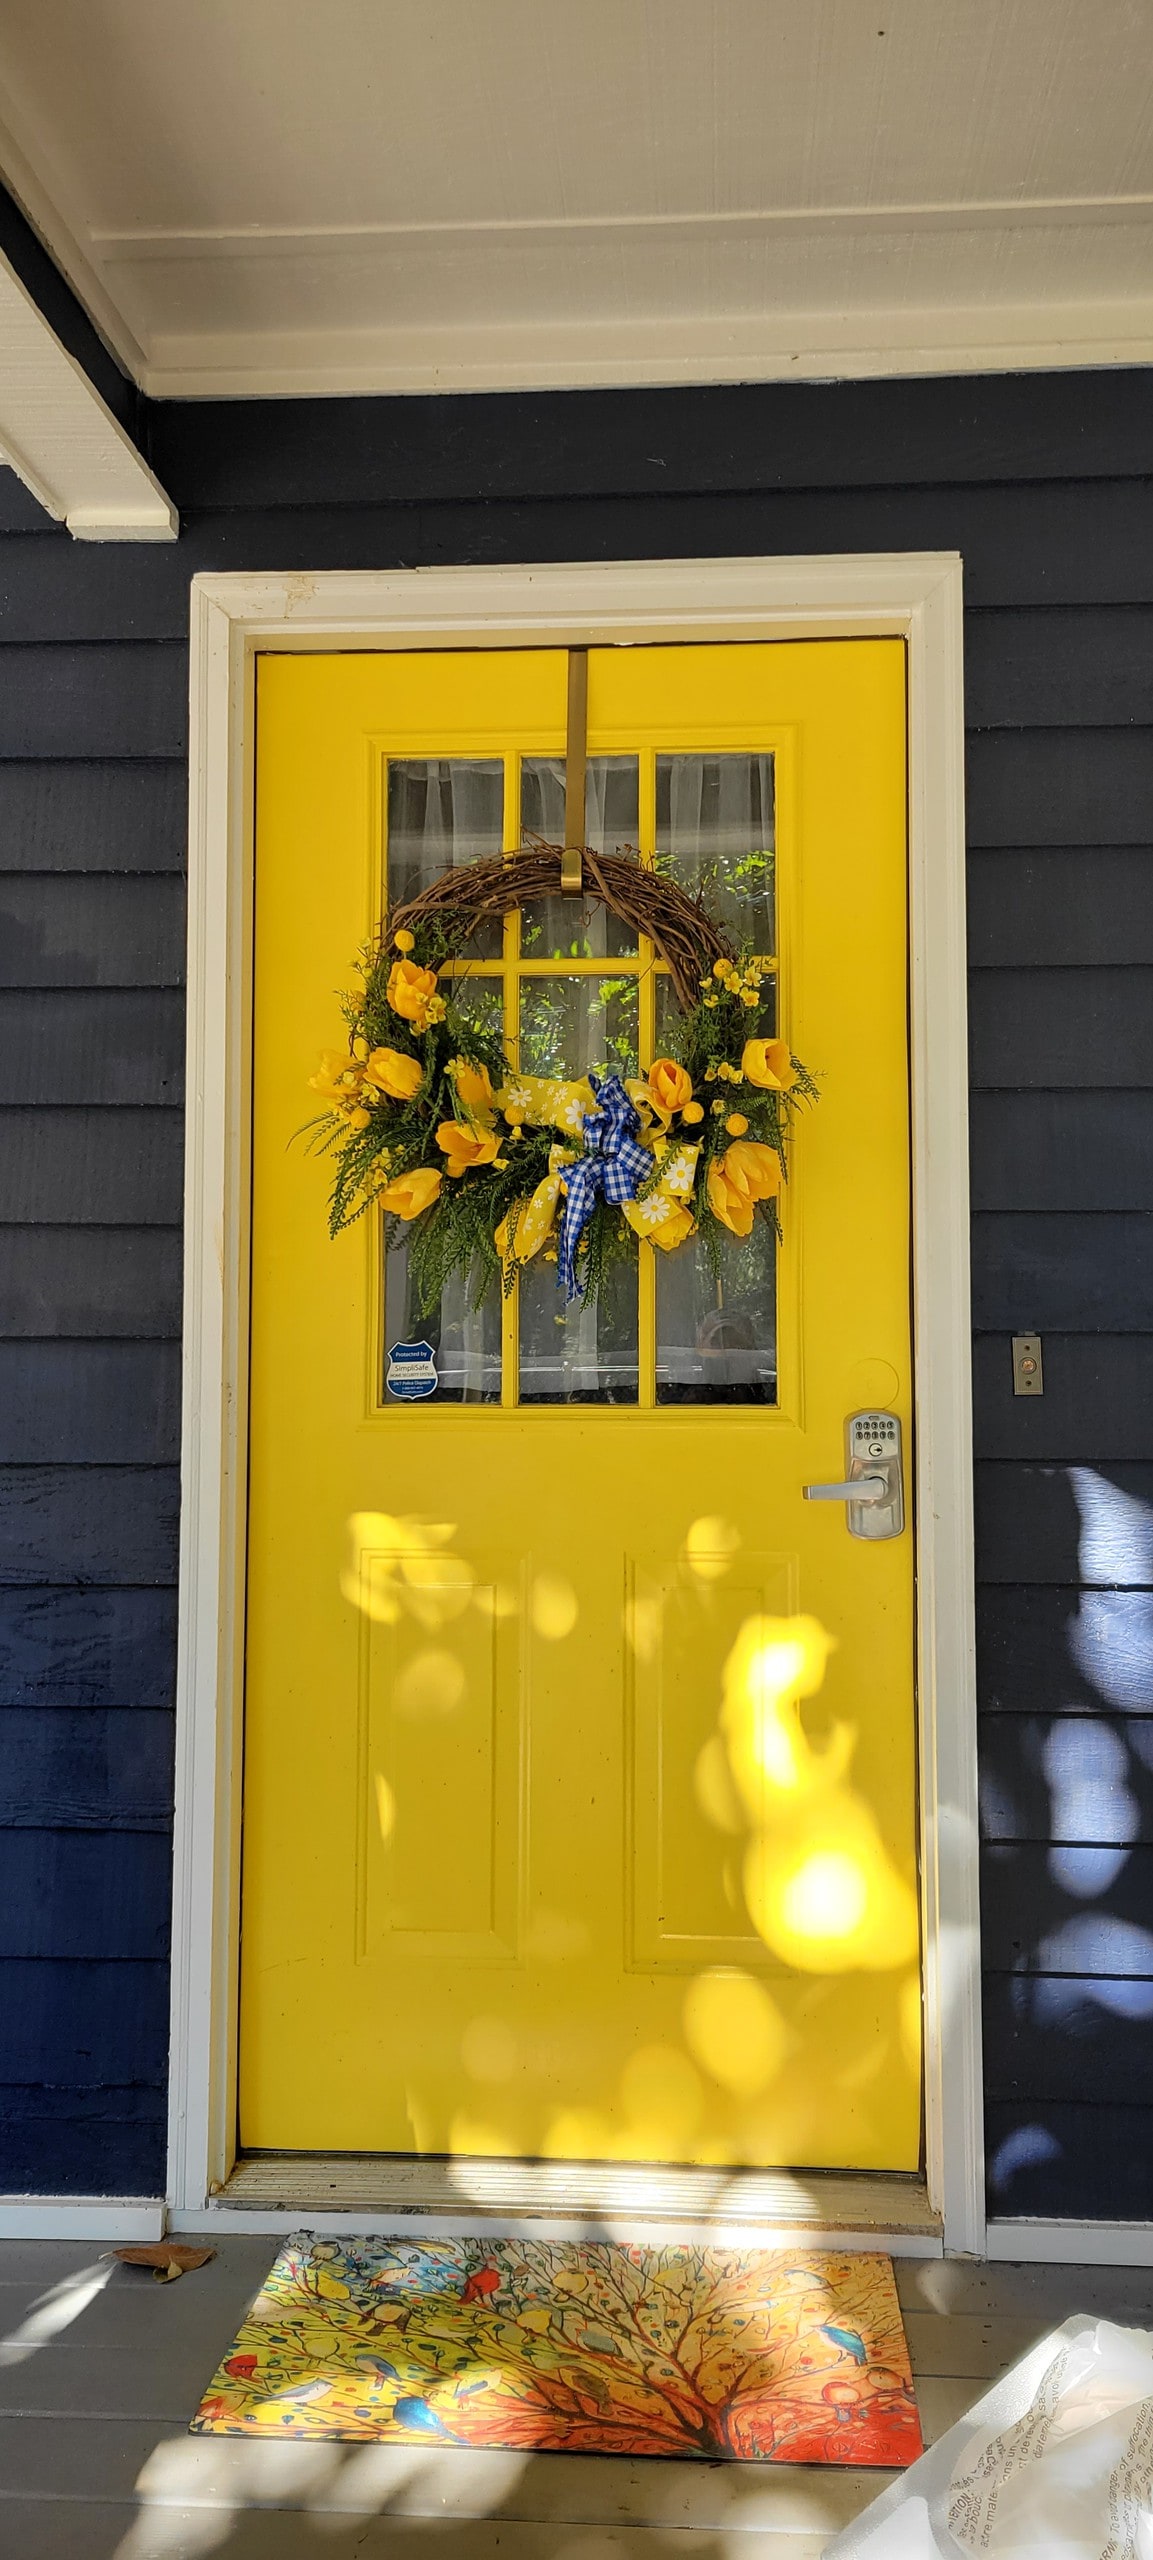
[(295, 196)]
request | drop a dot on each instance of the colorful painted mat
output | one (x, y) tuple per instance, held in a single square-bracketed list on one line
[(751, 2355)]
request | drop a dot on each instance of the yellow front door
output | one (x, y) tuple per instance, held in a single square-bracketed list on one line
[(579, 1803)]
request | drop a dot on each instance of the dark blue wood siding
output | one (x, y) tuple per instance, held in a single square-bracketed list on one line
[(1046, 487)]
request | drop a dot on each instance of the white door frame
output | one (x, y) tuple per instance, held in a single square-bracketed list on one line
[(915, 596)]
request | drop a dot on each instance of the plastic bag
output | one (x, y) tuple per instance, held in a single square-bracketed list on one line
[(1054, 2463)]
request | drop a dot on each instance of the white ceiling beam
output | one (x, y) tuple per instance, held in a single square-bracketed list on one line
[(62, 439)]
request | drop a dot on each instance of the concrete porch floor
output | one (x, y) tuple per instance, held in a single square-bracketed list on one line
[(98, 2380)]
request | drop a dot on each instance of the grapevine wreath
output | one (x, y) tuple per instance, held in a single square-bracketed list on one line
[(480, 1168)]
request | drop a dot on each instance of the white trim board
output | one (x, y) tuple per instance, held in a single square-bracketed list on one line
[(419, 357), (1071, 2244), (61, 437), (118, 2218), (914, 596)]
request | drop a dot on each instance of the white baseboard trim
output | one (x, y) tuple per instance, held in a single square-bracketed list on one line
[(220, 2222), (1072, 2244), (121, 2218)]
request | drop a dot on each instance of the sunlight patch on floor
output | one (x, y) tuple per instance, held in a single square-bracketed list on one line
[(54, 2311)]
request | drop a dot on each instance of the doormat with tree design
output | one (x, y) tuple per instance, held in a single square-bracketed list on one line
[(745, 2355)]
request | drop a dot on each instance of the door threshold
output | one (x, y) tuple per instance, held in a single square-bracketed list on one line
[(597, 2195)]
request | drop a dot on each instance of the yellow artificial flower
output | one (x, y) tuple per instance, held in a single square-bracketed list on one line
[(466, 1147), (404, 940), (412, 994), (670, 1085), (473, 1086), (374, 1180), (393, 1072), (747, 1172), (736, 1124), (757, 1168), (337, 1078), (340, 1084), (692, 1112), (768, 1063), (728, 1202), (411, 1192)]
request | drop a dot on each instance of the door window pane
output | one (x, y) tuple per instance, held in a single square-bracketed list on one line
[(578, 1354), (577, 1026), (465, 1340), (576, 928), (443, 812), (717, 1331), (569, 1026), (480, 1001), (715, 832)]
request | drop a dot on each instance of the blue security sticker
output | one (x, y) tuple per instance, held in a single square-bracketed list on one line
[(411, 1370)]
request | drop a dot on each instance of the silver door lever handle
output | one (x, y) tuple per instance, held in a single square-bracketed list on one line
[(874, 1500)]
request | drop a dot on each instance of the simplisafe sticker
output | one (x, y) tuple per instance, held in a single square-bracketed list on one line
[(411, 1370)]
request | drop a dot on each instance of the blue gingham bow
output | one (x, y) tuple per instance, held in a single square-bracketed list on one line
[(612, 1164)]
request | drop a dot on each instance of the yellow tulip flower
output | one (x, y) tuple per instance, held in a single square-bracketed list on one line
[(473, 1087), (768, 1063), (755, 1168), (412, 992), (670, 1085), (728, 1202), (466, 1147), (394, 1073), (340, 1083), (746, 1173), (411, 1192), (337, 1079)]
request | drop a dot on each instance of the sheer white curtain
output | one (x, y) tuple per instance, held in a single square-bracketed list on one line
[(441, 813), (713, 814), (610, 800)]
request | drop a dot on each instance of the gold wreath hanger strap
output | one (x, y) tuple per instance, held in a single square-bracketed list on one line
[(576, 759)]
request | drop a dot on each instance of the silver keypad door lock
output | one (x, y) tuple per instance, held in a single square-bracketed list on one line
[(873, 1489)]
